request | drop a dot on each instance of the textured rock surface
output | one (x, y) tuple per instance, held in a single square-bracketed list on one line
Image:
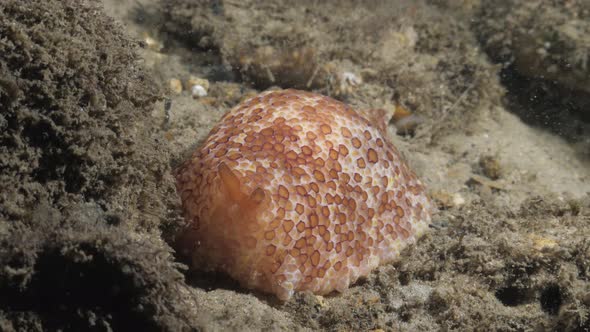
[(84, 182)]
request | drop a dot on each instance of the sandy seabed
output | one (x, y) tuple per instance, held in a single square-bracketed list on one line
[(91, 127)]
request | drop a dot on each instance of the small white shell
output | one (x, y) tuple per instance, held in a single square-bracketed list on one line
[(198, 91)]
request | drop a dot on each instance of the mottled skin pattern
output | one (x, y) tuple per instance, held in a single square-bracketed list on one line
[(295, 191)]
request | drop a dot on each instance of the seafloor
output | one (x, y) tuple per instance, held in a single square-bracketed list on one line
[(96, 109)]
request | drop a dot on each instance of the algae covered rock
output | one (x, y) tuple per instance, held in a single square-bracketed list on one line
[(84, 177)]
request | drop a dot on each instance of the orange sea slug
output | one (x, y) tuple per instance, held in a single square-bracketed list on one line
[(295, 191)]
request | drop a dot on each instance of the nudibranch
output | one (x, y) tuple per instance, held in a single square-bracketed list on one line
[(295, 191)]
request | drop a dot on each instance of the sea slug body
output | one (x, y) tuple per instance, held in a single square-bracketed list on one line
[(295, 191)]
